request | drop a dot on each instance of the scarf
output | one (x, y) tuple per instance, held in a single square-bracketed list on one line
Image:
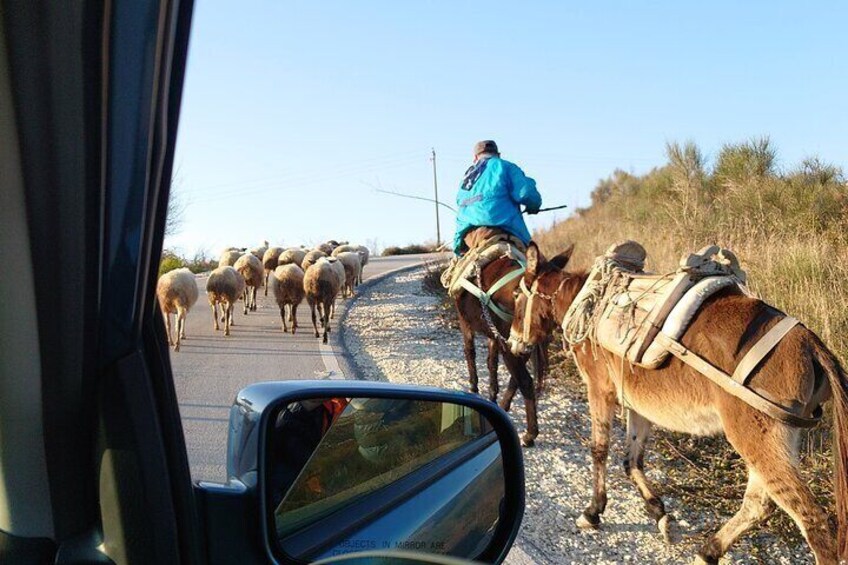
[(473, 173)]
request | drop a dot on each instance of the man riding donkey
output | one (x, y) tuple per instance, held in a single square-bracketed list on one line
[(490, 242)]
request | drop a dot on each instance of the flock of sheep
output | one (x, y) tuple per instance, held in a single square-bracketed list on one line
[(319, 275)]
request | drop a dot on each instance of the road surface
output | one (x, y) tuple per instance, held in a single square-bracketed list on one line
[(210, 369)]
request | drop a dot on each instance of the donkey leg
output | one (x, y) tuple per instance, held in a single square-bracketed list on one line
[(492, 362), (518, 372), (470, 352), (509, 394), (601, 408), (773, 454), (756, 506), (638, 432)]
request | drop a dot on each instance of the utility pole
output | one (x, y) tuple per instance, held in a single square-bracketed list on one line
[(436, 191)]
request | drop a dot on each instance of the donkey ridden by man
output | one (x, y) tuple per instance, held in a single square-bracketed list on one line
[(489, 242)]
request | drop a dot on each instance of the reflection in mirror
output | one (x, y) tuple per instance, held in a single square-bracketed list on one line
[(350, 475)]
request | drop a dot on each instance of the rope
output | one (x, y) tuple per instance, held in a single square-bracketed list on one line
[(579, 320), (484, 309)]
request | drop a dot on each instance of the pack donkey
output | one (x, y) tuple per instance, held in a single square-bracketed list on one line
[(799, 372)]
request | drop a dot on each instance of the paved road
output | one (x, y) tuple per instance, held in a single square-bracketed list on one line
[(210, 369)]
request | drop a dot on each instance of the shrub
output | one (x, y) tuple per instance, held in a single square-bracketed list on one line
[(169, 262)]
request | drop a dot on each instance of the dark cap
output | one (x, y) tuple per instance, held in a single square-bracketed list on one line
[(487, 146)]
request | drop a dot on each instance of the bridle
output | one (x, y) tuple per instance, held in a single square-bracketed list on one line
[(531, 293)]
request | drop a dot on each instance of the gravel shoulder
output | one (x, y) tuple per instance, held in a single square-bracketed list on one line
[(393, 333)]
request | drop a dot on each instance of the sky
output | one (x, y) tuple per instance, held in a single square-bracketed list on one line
[(295, 113)]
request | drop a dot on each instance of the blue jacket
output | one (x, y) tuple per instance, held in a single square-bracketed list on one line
[(497, 188)]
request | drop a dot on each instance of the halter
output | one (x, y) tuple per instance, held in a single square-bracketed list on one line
[(532, 293)]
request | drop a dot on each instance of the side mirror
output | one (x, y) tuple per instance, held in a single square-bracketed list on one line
[(356, 472)]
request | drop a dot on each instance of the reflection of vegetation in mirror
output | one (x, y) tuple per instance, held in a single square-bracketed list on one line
[(370, 444)]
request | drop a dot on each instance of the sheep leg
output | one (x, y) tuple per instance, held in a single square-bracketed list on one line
[(229, 317), (283, 316), (253, 291), (245, 296), (314, 320), (182, 314), (265, 283), (293, 319), (168, 328), (215, 325), (328, 308)]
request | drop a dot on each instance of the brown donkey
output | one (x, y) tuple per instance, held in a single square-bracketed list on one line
[(471, 322), (800, 373)]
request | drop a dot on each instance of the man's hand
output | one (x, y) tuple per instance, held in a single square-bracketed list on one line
[(531, 209)]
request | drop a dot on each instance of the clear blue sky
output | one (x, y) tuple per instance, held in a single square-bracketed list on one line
[(294, 111)]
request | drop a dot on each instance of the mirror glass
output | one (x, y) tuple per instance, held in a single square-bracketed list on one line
[(349, 475)]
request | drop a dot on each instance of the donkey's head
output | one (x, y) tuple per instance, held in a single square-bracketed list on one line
[(547, 290)]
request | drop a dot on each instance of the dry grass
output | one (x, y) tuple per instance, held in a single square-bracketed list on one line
[(788, 230)]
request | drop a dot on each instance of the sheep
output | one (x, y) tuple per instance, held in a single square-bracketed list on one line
[(353, 268), (343, 248), (321, 284), (291, 255), (251, 269), (364, 255), (326, 248), (177, 293), (287, 286), (229, 257), (270, 261), (224, 287), (258, 252), (339, 270), (310, 258)]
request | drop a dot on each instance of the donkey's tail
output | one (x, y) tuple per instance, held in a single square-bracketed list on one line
[(838, 381)]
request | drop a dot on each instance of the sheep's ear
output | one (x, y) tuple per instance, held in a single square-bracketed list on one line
[(534, 260), (561, 260)]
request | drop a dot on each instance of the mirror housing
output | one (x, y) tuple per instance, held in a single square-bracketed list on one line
[(237, 515)]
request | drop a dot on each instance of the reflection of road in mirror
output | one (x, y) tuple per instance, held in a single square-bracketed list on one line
[(352, 475)]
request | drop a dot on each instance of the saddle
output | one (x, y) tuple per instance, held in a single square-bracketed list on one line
[(485, 246), (631, 307)]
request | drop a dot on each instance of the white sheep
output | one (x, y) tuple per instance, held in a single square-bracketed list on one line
[(310, 258), (224, 287), (177, 293), (229, 257), (339, 270), (287, 286), (270, 260), (321, 284), (352, 263), (364, 255), (251, 269), (292, 255)]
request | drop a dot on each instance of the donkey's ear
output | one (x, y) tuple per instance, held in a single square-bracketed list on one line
[(534, 259), (561, 260)]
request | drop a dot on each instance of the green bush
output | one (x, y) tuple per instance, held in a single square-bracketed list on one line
[(169, 262)]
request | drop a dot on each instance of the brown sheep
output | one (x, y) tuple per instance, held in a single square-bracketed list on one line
[(310, 258), (270, 260), (321, 283), (326, 248), (251, 269), (287, 286), (224, 287), (177, 293)]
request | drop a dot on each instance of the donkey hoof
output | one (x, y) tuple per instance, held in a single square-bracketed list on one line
[(585, 522), (528, 440), (669, 529)]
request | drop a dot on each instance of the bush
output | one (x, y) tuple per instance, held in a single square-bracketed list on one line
[(412, 249), (169, 262)]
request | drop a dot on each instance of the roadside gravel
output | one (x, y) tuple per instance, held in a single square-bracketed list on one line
[(393, 333)]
